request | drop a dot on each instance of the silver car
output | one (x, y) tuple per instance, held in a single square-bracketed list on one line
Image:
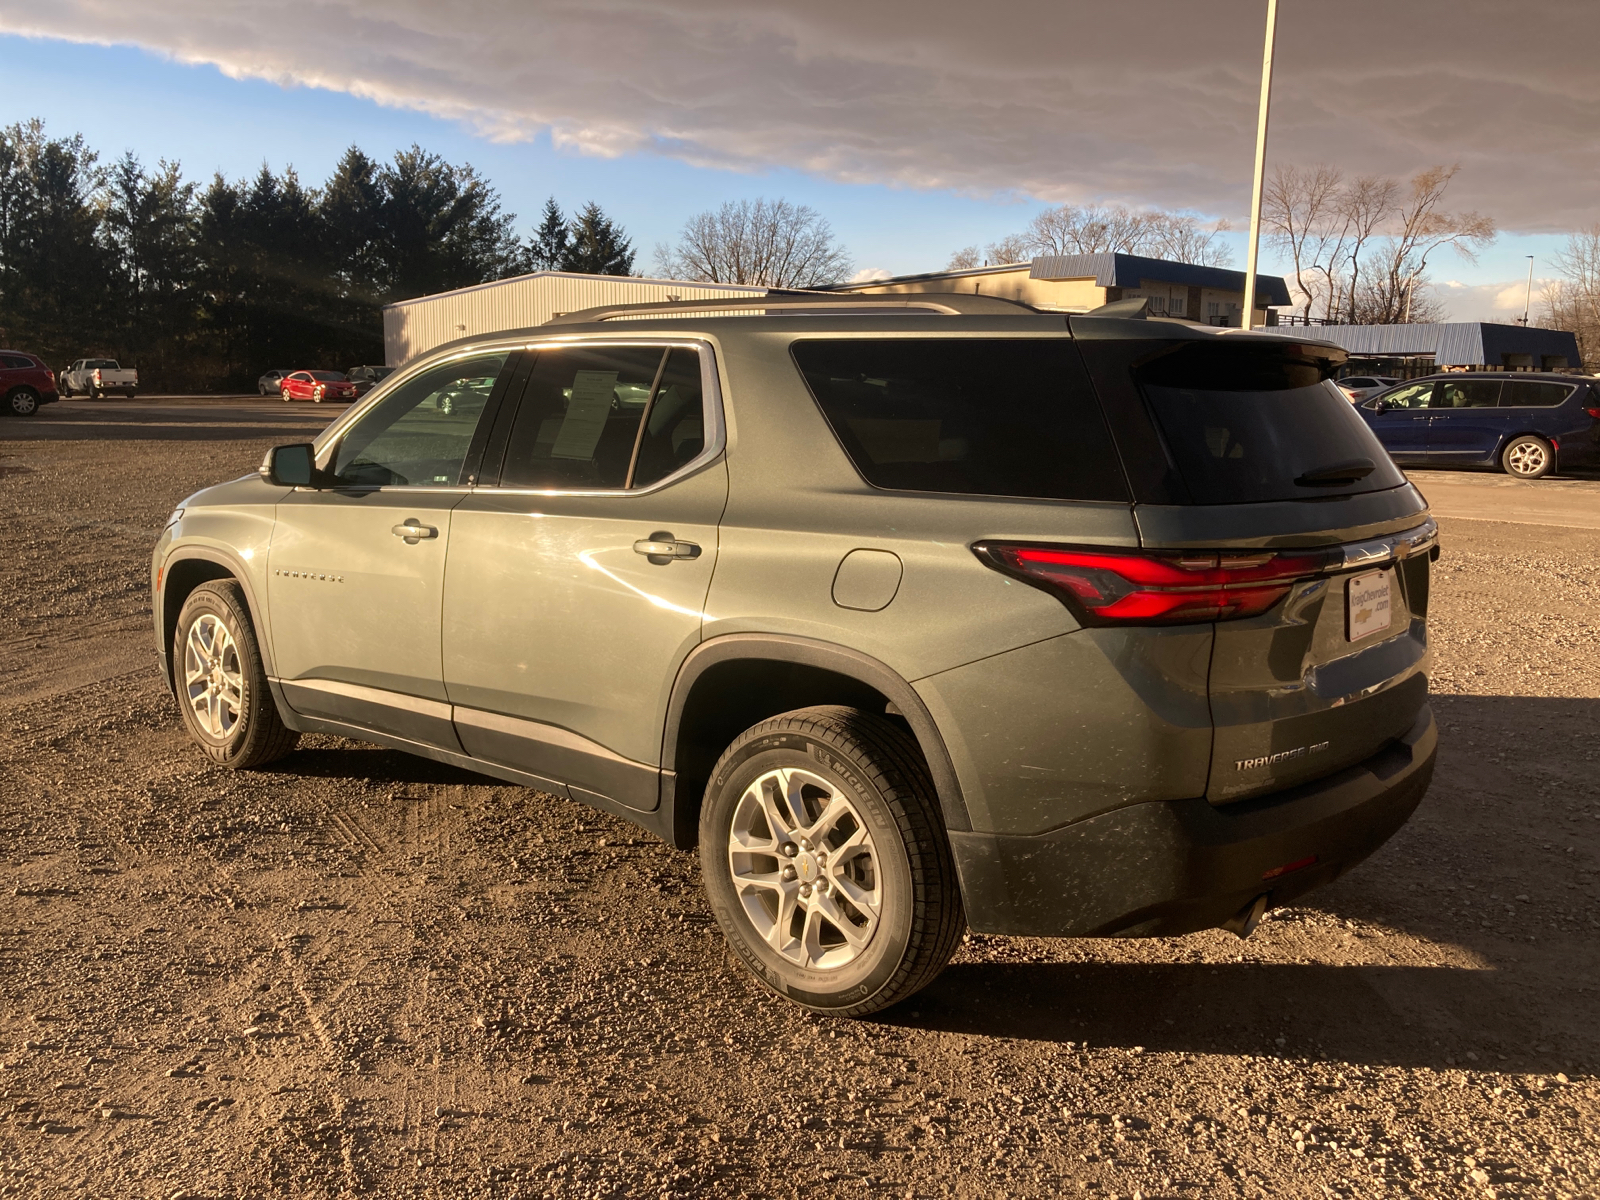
[(954, 614)]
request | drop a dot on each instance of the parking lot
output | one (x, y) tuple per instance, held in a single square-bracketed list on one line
[(361, 972)]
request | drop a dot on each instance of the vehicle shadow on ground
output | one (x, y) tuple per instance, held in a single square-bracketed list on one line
[(1435, 1017), (378, 765)]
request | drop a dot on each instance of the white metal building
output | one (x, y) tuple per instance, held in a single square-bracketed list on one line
[(413, 327)]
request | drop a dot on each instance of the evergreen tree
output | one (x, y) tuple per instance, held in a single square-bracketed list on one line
[(548, 247), (147, 222), (597, 245)]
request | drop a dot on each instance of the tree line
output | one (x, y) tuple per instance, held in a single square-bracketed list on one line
[(205, 287), (1358, 248), (1573, 301), (1105, 229)]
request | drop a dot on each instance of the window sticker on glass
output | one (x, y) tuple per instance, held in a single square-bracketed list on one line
[(587, 410), (1367, 601)]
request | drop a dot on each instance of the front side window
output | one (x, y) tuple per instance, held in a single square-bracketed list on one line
[(1012, 417), (419, 434), (1527, 394), (606, 418), (1467, 393), (1412, 396)]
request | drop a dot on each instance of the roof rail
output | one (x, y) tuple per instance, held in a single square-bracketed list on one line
[(948, 303)]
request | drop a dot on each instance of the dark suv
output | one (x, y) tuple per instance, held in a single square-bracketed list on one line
[(910, 613)]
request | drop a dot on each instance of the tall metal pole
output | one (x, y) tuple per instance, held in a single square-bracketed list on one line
[(1527, 303), (1261, 167)]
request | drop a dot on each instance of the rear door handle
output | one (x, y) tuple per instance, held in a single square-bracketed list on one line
[(414, 531), (661, 548)]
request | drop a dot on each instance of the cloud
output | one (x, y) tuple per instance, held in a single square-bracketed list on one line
[(870, 275), (1501, 302), (1152, 102)]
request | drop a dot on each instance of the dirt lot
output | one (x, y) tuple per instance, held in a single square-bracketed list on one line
[(364, 973)]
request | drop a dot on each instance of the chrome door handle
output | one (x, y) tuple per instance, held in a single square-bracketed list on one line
[(414, 531), (661, 548)]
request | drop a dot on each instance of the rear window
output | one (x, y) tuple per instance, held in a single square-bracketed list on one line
[(1246, 423), (1526, 394), (101, 364), (995, 417)]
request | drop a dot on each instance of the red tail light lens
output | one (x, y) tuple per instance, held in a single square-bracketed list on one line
[(1593, 412), (1116, 587)]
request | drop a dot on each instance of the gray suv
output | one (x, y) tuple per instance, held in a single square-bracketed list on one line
[(912, 613)]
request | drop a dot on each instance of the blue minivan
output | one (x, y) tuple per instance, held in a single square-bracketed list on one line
[(1520, 421)]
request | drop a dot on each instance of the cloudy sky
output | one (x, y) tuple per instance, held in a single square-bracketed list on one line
[(916, 127)]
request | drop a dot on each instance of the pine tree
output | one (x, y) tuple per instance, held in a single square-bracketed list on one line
[(598, 246), (548, 247)]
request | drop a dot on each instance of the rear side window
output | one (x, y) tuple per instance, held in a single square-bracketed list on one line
[(15, 362), (1527, 394), (1250, 423), (1006, 417)]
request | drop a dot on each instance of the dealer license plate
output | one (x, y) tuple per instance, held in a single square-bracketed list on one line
[(1367, 604)]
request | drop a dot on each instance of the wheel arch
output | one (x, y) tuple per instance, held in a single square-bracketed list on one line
[(186, 569), (730, 683)]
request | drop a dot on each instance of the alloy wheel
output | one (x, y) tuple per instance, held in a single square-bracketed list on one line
[(1528, 458), (805, 869), (212, 676)]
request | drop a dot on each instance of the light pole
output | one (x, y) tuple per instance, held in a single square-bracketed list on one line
[(1527, 302), (1261, 167)]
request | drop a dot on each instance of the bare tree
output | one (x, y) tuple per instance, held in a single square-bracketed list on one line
[(1302, 212), (1574, 302), (1090, 230), (965, 259), (1421, 228), (1363, 207), (772, 243), (1182, 238)]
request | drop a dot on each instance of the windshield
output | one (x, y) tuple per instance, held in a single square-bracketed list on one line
[(1248, 423)]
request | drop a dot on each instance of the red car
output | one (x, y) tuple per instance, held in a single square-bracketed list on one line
[(317, 386), (25, 383)]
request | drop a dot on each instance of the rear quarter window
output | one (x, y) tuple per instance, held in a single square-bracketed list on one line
[(999, 417), (1527, 394), (1250, 423)]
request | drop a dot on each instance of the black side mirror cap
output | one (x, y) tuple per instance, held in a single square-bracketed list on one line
[(291, 466), (1380, 406)]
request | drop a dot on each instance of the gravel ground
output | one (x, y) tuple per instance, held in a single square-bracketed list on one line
[(360, 972)]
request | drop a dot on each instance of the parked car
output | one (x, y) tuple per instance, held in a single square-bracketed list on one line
[(1360, 387), (366, 378), (271, 383), (316, 386), (982, 617), (25, 383), (97, 377), (1526, 423)]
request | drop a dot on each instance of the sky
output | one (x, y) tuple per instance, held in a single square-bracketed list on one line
[(914, 128)]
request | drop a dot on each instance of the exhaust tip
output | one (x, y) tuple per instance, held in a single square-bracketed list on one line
[(1244, 921)]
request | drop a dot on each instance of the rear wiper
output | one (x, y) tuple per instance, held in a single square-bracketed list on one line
[(1338, 473)]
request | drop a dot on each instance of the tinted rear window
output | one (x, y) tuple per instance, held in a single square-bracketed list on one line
[(1243, 423), (994, 417), (1527, 394)]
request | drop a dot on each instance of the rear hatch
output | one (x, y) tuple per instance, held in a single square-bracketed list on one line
[(1245, 459)]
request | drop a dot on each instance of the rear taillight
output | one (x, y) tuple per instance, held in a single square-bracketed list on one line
[(97, 376), (1593, 412), (1116, 587)]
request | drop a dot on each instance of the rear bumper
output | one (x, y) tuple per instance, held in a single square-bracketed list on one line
[(1169, 867)]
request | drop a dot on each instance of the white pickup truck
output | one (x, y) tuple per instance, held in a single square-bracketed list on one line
[(94, 377)]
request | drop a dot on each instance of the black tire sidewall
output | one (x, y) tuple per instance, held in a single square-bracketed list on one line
[(855, 983), (215, 600)]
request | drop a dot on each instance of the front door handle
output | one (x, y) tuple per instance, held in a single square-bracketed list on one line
[(661, 548), (414, 531)]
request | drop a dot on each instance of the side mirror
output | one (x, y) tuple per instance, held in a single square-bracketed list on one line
[(290, 466), (1380, 406)]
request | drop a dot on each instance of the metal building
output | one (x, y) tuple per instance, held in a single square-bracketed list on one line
[(413, 327), (1471, 345)]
